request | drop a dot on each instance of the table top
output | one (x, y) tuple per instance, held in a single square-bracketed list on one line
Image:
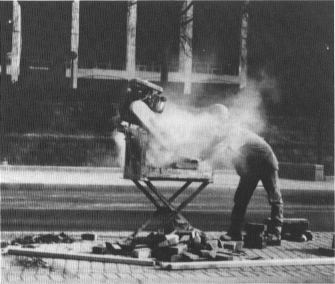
[(177, 175)]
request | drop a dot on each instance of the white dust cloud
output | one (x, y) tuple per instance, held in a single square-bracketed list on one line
[(120, 147), (206, 134)]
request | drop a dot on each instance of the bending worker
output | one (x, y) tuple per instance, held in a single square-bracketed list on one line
[(254, 161)]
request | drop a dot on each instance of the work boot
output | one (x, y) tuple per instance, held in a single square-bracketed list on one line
[(273, 240), (232, 236)]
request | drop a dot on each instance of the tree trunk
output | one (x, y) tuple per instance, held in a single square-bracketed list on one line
[(244, 49)]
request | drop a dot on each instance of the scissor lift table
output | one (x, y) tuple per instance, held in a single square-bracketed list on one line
[(143, 177)]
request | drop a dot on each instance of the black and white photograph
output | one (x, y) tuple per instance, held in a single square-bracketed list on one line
[(173, 141)]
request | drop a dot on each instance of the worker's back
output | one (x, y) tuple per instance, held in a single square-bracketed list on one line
[(252, 154)]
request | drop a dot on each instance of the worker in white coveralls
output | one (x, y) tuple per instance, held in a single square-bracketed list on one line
[(254, 161)]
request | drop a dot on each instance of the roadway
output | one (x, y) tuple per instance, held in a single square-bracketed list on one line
[(118, 205)]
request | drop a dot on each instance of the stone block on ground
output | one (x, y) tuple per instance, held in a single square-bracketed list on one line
[(171, 239), (209, 254), (126, 245), (185, 239), (239, 246), (272, 240), (223, 256), (141, 253), (177, 249), (89, 237), (311, 172), (176, 258), (190, 256), (212, 245), (327, 251), (255, 242), (99, 249), (293, 226), (229, 245), (114, 248), (255, 228)]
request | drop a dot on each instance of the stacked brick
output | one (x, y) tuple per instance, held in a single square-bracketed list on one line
[(180, 246)]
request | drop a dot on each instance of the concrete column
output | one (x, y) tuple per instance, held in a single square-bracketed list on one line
[(16, 42), (185, 53), (74, 43), (244, 51), (131, 38)]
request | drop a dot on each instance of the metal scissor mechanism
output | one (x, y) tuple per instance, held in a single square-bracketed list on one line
[(139, 115)]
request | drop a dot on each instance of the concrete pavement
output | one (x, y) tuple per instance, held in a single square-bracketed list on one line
[(19, 269)]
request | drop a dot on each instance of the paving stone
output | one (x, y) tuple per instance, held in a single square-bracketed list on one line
[(236, 273), (112, 276), (124, 275), (13, 278), (320, 267), (84, 267), (42, 278), (259, 252), (327, 273), (330, 267), (289, 267), (269, 272), (257, 268), (293, 273), (248, 273), (107, 273), (56, 277), (223, 273), (152, 275), (123, 268), (28, 275), (304, 273), (14, 269), (277, 253), (97, 267), (110, 269), (140, 276), (181, 275), (311, 268), (163, 274), (210, 273), (98, 276), (71, 267)]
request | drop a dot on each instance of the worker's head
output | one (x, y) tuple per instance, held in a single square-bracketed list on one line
[(220, 111)]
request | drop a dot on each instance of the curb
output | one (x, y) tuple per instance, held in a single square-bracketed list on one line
[(101, 170)]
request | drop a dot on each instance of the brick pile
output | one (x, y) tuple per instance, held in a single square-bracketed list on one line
[(179, 246)]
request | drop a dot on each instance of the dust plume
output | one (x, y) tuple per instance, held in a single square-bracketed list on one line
[(120, 143), (208, 133)]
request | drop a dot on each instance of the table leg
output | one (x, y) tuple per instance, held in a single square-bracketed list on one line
[(173, 212)]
